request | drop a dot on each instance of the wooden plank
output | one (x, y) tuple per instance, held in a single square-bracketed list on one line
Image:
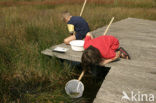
[(69, 55)]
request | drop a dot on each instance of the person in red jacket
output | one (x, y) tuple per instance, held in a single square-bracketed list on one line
[(102, 50)]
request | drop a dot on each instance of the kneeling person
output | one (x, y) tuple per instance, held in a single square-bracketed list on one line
[(77, 27), (102, 50)]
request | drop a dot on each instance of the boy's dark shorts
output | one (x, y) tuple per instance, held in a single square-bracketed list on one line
[(80, 36)]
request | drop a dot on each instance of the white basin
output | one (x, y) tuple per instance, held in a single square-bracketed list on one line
[(77, 45)]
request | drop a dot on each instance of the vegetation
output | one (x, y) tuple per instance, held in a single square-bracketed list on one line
[(29, 26)]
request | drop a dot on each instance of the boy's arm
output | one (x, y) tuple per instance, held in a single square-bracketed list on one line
[(88, 40), (106, 61), (89, 34)]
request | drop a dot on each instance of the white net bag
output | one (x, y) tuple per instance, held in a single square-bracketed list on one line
[(74, 88)]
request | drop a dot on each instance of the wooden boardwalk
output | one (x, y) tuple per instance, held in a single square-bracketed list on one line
[(139, 74)]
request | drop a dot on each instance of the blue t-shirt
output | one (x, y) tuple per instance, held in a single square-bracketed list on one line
[(80, 26)]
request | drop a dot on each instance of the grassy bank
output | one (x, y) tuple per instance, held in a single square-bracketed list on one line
[(30, 26)]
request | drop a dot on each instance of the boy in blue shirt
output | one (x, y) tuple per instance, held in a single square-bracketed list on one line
[(77, 27)]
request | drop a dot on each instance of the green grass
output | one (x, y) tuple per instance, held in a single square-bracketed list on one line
[(27, 76)]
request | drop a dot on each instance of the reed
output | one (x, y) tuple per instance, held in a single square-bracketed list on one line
[(30, 26)]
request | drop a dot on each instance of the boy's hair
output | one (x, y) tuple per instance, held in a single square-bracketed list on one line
[(65, 14), (91, 56)]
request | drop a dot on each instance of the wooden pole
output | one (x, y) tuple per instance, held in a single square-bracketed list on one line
[(80, 77), (84, 4), (108, 26), (83, 7)]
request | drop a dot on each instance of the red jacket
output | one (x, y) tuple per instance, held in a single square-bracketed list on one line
[(107, 45)]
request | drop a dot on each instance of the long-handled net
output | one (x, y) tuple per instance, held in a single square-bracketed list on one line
[(74, 88)]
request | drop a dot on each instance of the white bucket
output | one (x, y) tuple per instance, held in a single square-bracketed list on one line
[(77, 45)]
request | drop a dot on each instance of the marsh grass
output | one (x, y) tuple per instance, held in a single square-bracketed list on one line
[(27, 76)]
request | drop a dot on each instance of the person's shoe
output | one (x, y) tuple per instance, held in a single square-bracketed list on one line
[(124, 54)]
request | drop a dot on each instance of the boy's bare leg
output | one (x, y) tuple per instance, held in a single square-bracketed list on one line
[(70, 38)]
